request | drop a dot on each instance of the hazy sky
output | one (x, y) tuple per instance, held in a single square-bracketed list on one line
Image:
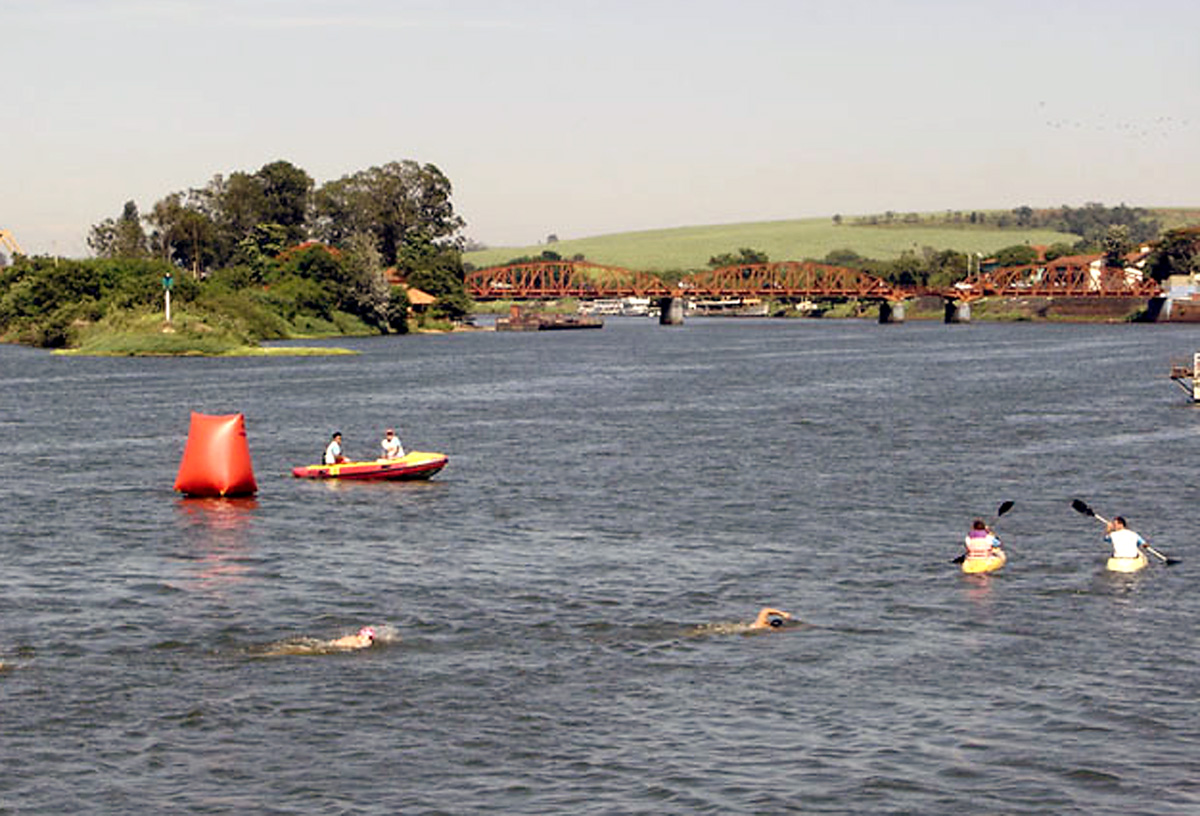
[(581, 117)]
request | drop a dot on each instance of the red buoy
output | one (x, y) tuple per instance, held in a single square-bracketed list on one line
[(216, 459)]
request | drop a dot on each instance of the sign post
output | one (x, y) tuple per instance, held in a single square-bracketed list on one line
[(167, 282)]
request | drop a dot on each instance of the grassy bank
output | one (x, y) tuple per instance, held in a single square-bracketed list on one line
[(139, 334)]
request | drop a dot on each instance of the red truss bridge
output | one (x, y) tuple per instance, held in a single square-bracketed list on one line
[(1077, 276), (787, 280)]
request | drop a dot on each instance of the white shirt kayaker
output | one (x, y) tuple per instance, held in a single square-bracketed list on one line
[(1125, 542)]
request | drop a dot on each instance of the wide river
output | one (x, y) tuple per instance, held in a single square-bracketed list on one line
[(546, 600)]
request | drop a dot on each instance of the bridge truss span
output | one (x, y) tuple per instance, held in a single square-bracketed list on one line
[(790, 280), (538, 280), (786, 280), (1067, 277)]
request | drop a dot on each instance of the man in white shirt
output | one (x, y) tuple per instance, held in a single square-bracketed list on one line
[(392, 449)]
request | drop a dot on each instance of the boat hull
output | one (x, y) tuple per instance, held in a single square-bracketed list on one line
[(411, 467), (993, 562), (1127, 564)]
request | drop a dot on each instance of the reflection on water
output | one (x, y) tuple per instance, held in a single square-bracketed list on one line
[(217, 552)]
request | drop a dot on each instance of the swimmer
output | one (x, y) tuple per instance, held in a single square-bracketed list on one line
[(768, 618), (362, 639)]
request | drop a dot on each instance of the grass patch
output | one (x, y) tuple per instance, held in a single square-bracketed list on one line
[(141, 334)]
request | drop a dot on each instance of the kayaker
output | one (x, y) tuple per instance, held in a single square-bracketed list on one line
[(392, 449), (980, 541), (1125, 542), (333, 451)]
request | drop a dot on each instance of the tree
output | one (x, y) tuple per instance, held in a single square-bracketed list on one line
[(398, 203), (1178, 253), (1016, 255), (286, 198), (436, 270), (1116, 245), (744, 257), (844, 257), (367, 290), (122, 237), (183, 234)]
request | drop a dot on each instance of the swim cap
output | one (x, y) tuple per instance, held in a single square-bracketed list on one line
[(367, 631), (776, 622)]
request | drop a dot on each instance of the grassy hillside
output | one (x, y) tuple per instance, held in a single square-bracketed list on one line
[(689, 248), (813, 238)]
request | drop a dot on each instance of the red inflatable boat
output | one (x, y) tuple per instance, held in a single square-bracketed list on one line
[(415, 465)]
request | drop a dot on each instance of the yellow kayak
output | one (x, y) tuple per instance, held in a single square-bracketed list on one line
[(1127, 564), (991, 563)]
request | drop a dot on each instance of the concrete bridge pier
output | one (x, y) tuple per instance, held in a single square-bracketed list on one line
[(958, 311), (891, 312), (670, 311)]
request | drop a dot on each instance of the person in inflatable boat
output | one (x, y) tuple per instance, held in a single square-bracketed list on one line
[(333, 451), (392, 449)]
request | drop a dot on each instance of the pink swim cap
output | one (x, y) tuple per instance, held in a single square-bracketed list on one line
[(367, 631)]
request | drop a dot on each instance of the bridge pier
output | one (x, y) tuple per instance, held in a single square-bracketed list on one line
[(958, 311), (670, 311), (891, 312)]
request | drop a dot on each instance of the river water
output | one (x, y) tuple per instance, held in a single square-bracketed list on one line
[(544, 598)]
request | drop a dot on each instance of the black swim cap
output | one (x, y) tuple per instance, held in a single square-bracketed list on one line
[(776, 622)]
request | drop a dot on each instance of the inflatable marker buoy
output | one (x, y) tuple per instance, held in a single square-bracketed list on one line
[(216, 458)]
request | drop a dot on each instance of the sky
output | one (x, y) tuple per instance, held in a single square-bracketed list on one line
[(587, 117)]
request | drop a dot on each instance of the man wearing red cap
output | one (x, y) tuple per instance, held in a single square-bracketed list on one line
[(392, 449)]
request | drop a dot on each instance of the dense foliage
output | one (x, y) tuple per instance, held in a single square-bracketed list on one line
[(1178, 253), (253, 230), (312, 289)]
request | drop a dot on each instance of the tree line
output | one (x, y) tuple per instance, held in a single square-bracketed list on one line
[(1091, 222)]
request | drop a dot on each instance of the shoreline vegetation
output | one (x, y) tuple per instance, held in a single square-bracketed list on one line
[(264, 289)]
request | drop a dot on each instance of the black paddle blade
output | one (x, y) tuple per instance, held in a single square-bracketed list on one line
[(1170, 562), (1004, 508), (960, 559), (1080, 507)]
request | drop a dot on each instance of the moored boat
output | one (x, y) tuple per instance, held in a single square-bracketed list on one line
[(1127, 564), (414, 465), (990, 563)]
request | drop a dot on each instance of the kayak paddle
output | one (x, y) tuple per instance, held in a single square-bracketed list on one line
[(1000, 511), (1080, 507)]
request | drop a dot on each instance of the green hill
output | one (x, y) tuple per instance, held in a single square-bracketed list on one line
[(689, 248)]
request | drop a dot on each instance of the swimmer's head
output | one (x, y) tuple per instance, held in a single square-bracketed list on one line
[(367, 632), (776, 622)]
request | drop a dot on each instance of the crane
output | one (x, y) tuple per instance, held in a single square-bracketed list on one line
[(7, 241)]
